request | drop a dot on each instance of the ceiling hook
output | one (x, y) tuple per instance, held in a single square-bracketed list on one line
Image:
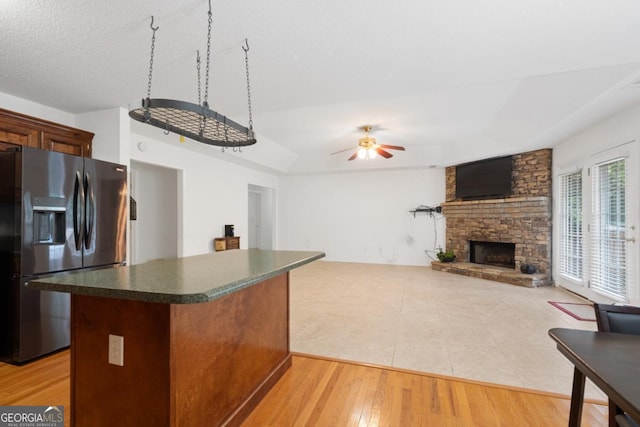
[(246, 49), (151, 25), (209, 7)]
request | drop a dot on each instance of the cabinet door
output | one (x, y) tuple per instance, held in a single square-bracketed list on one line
[(66, 144), (12, 135)]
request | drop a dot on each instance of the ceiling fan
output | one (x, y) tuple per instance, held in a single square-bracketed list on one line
[(368, 148)]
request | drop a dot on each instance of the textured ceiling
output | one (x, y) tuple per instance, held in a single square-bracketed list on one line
[(451, 80)]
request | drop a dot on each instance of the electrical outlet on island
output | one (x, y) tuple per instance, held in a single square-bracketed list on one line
[(116, 350)]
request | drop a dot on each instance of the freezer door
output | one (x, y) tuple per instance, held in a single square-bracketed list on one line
[(105, 186), (39, 322), (52, 203)]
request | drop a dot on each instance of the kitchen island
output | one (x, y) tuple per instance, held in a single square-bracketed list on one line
[(205, 337)]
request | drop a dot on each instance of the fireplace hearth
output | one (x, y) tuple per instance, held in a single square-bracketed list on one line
[(498, 254)]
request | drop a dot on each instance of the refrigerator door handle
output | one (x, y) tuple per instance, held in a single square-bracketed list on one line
[(89, 211), (78, 207)]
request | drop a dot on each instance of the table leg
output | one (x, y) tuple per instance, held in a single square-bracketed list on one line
[(577, 397)]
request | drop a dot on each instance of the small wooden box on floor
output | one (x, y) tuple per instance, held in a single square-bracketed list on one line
[(226, 243)]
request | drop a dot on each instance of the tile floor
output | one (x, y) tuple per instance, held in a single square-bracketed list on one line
[(424, 320)]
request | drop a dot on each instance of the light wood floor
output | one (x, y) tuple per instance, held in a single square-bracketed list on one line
[(325, 392)]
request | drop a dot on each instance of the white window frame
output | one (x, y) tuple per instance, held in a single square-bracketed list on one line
[(599, 275), (629, 149), (564, 219)]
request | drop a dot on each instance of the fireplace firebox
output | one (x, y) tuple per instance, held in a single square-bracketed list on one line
[(492, 253)]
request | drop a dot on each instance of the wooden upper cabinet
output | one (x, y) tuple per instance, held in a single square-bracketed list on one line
[(65, 144), (12, 134), (18, 129)]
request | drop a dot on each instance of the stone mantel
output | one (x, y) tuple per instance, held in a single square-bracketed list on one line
[(539, 206), (496, 201)]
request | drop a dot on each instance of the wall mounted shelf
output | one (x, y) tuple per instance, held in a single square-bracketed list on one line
[(426, 209)]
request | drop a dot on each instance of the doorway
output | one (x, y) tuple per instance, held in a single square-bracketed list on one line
[(155, 232), (598, 219), (260, 217)]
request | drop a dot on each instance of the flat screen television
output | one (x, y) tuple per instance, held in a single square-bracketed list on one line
[(484, 179)]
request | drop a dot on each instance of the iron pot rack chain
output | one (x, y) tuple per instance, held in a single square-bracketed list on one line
[(191, 120)]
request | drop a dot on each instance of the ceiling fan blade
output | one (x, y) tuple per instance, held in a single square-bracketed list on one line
[(341, 151), (383, 153), (391, 147), (353, 156)]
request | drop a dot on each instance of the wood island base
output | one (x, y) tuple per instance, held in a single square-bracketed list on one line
[(204, 364)]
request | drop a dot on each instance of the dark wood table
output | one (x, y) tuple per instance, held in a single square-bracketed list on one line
[(611, 361)]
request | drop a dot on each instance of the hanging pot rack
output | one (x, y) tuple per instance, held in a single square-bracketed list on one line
[(195, 121), (185, 118)]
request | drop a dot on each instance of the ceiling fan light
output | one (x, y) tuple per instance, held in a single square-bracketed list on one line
[(368, 149)]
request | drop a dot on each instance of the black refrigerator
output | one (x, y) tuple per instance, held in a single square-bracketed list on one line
[(58, 214)]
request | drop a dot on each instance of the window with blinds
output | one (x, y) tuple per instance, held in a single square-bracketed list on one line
[(608, 246), (570, 227)]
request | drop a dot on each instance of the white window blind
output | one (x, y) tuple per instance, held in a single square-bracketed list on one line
[(608, 249), (570, 227)]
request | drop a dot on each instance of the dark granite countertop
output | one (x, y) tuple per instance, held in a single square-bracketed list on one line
[(188, 280)]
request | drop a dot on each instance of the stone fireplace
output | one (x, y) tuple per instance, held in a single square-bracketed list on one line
[(520, 223)]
